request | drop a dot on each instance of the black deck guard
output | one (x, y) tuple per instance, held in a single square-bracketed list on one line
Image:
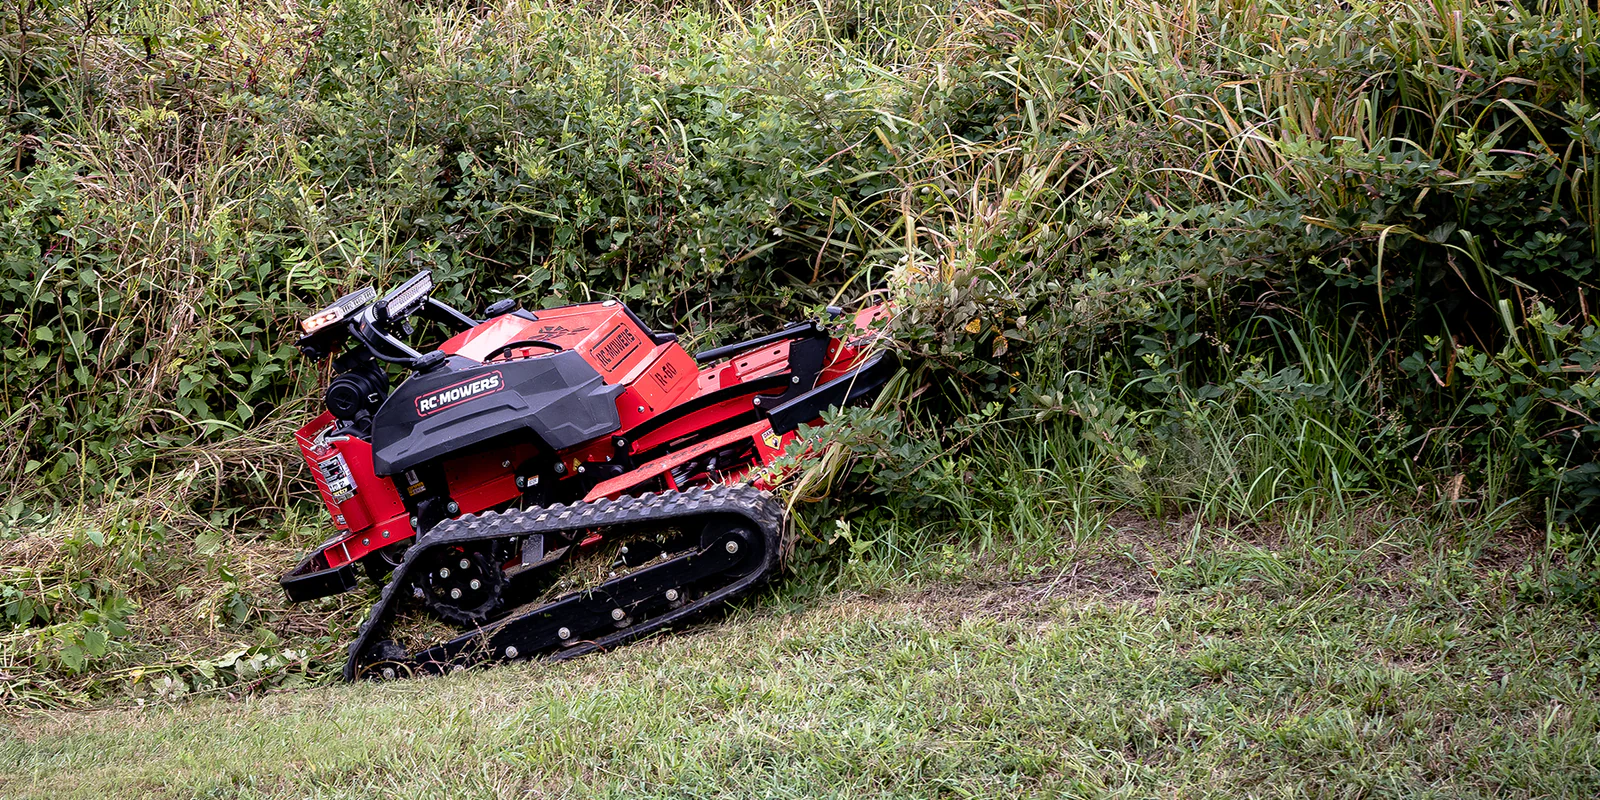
[(312, 578)]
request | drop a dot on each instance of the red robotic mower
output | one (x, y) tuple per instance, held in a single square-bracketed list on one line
[(532, 439)]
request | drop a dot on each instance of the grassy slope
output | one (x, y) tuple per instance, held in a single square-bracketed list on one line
[(1334, 657), (1226, 669)]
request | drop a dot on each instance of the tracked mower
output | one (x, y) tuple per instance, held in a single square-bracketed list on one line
[(547, 483)]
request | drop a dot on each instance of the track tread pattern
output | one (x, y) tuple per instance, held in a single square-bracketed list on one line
[(742, 500)]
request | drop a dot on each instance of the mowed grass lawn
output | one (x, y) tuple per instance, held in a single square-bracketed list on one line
[(1138, 683)]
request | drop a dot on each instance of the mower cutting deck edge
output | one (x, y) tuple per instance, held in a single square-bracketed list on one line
[(529, 442)]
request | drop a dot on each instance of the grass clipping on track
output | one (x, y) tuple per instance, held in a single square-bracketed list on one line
[(588, 570), (415, 630)]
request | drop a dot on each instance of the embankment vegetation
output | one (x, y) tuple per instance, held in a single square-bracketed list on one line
[(1319, 271)]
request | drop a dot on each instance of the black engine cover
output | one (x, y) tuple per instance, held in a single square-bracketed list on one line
[(559, 398)]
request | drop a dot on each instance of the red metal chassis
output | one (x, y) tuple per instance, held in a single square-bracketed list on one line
[(660, 380)]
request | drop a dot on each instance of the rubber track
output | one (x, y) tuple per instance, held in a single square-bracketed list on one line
[(758, 508)]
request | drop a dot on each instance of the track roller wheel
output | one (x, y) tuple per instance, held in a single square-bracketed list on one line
[(460, 585), (389, 662)]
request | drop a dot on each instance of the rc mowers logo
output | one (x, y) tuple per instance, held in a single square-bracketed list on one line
[(616, 346), (459, 393)]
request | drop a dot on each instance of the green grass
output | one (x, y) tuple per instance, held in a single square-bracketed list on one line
[(1169, 660)]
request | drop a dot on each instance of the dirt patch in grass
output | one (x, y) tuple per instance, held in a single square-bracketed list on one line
[(1387, 555), (1096, 579)]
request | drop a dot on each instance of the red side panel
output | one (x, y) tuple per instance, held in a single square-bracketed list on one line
[(617, 349), (688, 467), (664, 377), (484, 480), (365, 507)]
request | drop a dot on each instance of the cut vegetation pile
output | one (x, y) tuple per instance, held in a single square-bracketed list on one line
[(1309, 278)]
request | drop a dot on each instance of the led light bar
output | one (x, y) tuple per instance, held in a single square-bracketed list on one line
[(341, 308), (401, 302)]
